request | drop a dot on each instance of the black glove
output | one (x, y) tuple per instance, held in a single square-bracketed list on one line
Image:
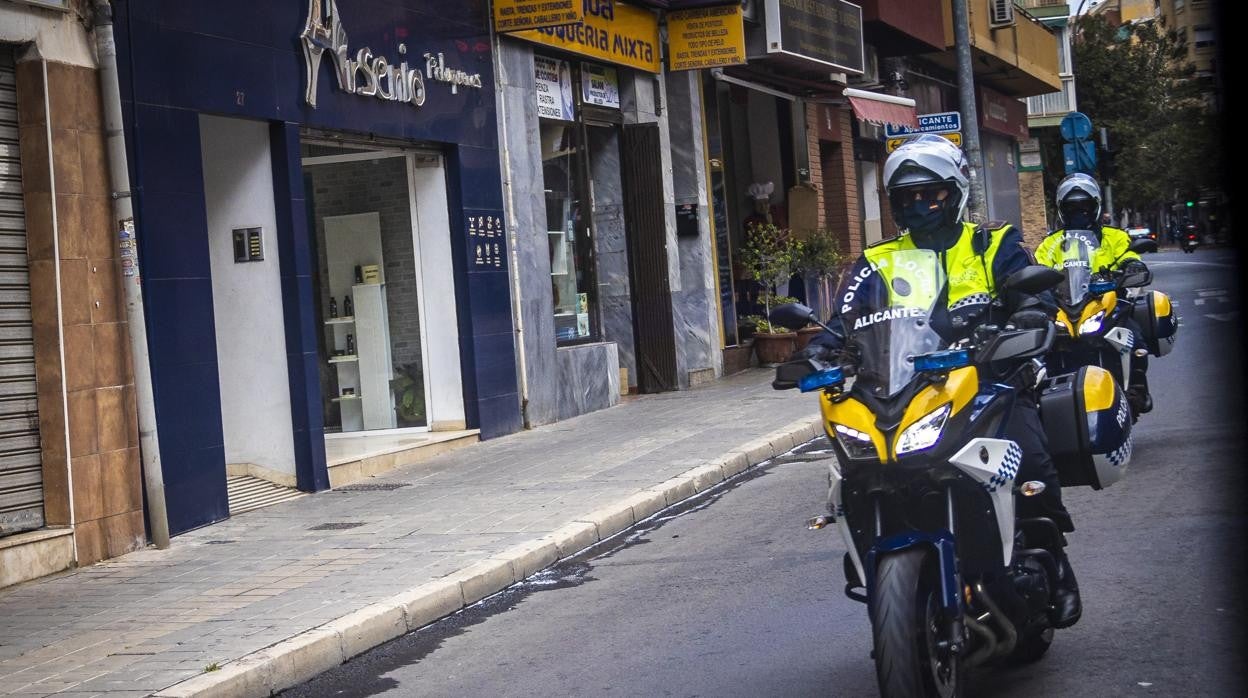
[(1030, 319), (819, 352)]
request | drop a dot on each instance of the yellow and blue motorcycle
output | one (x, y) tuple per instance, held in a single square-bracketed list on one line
[(1101, 311), (923, 483)]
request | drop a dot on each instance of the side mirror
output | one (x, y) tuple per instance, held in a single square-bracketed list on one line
[(1033, 279), (1018, 345), (791, 315), (1136, 279), (1142, 245)]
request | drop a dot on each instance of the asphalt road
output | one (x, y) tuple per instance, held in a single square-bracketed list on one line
[(733, 597)]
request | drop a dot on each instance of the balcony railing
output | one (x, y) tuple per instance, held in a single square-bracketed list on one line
[(1054, 103)]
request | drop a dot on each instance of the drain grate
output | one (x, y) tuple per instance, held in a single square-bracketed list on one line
[(336, 526), (372, 487)]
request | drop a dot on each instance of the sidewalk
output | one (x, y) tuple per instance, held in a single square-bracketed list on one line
[(275, 596)]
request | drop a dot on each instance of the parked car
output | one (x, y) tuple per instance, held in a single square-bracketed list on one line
[(1140, 232)]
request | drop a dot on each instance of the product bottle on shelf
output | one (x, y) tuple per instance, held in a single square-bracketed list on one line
[(347, 308), (333, 308), (350, 344)]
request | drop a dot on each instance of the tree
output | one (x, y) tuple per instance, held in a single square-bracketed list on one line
[(1135, 81)]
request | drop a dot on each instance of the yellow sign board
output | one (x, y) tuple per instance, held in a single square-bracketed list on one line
[(707, 38), (612, 32), (517, 15), (892, 144)]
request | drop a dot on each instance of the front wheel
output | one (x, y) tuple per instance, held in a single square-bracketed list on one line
[(906, 625)]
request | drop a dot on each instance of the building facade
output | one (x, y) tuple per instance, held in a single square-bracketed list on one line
[(321, 235), (70, 487)]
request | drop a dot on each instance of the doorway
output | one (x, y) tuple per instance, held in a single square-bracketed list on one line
[(384, 294)]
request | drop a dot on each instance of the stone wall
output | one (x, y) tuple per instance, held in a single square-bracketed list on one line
[(1034, 212)]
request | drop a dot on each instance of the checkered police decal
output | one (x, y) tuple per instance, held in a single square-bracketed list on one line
[(973, 299), (1008, 470), (1120, 456)]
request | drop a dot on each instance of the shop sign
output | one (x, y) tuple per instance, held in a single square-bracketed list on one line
[(612, 32), (826, 32), (517, 15), (1001, 114), (707, 38), (554, 88), (600, 85), (366, 74), (485, 241)]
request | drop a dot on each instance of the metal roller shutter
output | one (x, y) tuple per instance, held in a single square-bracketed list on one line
[(21, 468)]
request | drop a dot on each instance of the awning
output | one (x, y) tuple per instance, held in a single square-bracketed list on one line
[(881, 109)]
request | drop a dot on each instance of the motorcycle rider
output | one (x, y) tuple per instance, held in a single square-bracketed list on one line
[(928, 185), (1079, 208)]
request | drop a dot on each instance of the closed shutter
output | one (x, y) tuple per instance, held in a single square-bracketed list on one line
[(646, 234), (21, 468)]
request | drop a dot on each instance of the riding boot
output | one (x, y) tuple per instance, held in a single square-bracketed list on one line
[(1137, 392), (1067, 608)]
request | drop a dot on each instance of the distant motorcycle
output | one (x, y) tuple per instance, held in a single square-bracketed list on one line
[(1191, 240)]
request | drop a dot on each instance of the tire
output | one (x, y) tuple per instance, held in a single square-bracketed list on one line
[(902, 620), (1032, 647)]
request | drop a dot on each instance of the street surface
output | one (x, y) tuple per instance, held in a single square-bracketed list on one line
[(732, 596)]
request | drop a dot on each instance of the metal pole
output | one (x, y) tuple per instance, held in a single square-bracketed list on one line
[(127, 249), (977, 209), (1109, 187)]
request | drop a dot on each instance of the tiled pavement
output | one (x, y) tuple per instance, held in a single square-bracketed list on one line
[(152, 619)]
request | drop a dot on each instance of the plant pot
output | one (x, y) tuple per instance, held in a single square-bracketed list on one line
[(774, 348), (806, 334)]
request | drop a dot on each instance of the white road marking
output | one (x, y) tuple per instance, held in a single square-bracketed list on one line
[(1223, 317)]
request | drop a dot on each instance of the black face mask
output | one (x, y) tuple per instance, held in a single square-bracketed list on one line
[(923, 215), (1079, 219)]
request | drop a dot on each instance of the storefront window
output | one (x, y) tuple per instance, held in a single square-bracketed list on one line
[(565, 180)]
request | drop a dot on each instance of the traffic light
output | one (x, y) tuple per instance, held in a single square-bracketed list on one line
[(1190, 204), (1108, 168)]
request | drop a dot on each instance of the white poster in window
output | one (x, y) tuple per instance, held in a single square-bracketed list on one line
[(600, 85), (554, 88)]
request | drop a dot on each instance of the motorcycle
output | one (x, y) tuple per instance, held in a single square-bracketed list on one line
[(1094, 308), (1190, 241), (923, 486)]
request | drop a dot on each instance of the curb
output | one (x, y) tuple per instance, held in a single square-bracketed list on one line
[(313, 652)]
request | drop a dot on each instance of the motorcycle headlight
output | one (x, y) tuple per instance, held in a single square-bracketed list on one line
[(857, 445), (1092, 324), (925, 432)]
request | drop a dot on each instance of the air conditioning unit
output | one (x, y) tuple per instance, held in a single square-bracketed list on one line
[(1000, 13), (752, 11)]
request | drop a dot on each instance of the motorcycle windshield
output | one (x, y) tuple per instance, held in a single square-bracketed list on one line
[(891, 323), (1078, 250)]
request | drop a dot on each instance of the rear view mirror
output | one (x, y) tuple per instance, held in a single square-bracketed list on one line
[(1033, 279), (791, 315), (1137, 279), (1018, 345), (1142, 245)]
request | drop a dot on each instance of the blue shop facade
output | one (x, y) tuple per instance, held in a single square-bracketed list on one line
[(319, 210)]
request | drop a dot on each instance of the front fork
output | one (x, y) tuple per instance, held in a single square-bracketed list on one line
[(943, 544)]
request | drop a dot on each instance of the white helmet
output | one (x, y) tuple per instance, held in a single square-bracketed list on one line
[(1079, 201), (922, 162)]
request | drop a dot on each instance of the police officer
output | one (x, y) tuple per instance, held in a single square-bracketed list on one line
[(1079, 208), (928, 185)]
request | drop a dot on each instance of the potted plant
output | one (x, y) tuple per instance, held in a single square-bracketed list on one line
[(409, 395), (768, 254), (818, 259)]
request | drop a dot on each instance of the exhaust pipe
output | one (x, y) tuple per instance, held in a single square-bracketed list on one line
[(989, 648), (1009, 636)]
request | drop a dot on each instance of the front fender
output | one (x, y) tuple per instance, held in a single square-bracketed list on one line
[(940, 542)]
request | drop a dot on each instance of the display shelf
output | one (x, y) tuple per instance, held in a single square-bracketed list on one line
[(346, 398), (348, 320), (343, 359)]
